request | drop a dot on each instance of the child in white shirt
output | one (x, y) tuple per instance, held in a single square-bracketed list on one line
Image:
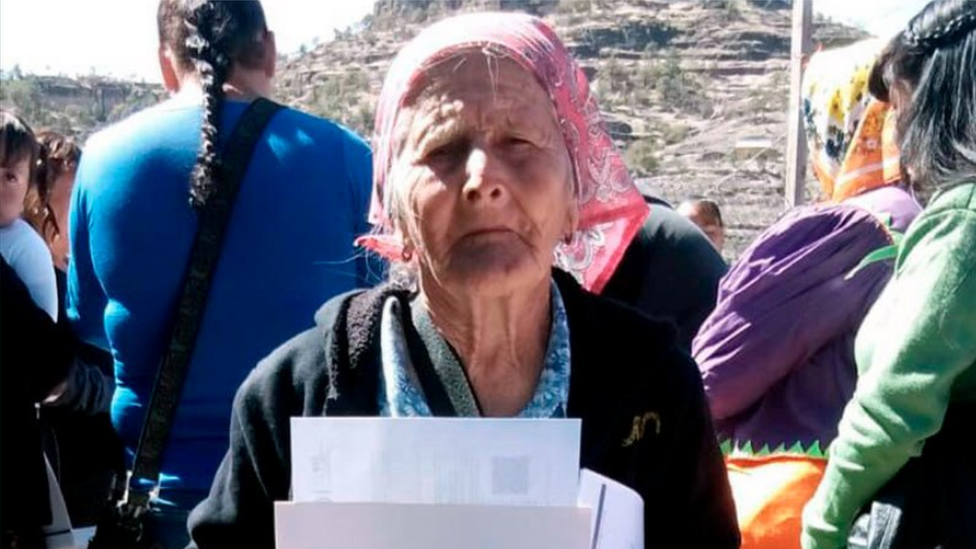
[(22, 248)]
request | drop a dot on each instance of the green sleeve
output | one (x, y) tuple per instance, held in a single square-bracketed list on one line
[(917, 341)]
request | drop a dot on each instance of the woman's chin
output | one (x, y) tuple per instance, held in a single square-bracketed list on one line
[(496, 272)]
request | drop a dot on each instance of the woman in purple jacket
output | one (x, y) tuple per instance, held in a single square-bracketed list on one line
[(776, 355)]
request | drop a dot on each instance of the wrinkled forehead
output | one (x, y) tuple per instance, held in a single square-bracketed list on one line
[(487, 42), (474, 70), (477, 85)]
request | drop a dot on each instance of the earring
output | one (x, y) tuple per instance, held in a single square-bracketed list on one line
[(407, 254)]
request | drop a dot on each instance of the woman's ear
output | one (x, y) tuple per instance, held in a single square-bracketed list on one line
[(572, 217), (270, 55), (169, 68), (406, 245), (573, 213)]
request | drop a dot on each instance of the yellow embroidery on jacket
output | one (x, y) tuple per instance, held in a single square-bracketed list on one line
[(640, 427)]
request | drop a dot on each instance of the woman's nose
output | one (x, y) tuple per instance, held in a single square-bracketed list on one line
[(484, 178)]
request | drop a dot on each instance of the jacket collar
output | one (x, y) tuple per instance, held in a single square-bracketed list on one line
[(351, 325)]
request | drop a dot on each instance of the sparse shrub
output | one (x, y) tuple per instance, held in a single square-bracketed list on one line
[(675, 133), (619, 78), (362, 120), (680, 89), (575, 11), (640, 157), (731, 7)]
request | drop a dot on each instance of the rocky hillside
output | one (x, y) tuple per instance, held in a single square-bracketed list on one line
[(696, 91), (74, 106)]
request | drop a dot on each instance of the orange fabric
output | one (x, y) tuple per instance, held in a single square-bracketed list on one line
[(851, 134), (873, 159), (770, 492)]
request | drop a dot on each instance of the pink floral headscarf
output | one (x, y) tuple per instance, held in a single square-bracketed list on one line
[(611, 209)]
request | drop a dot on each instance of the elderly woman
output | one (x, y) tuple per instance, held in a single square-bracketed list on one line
[(490, 155), (911, 417)]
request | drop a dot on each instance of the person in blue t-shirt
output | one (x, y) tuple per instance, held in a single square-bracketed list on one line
[(288, 246)]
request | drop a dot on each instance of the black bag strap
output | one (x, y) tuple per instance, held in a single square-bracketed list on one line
[(212, 226)]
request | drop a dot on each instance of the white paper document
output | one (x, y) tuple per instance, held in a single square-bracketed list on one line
[(405, 526), (524, 462), (57, 535), (617, 517)]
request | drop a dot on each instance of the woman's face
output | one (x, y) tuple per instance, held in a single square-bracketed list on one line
[(483, 175), (14, 180), (900, 94), (60, 198), (60, 201)]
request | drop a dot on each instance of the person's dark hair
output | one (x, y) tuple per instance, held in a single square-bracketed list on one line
[(208, 37), (17, 141), (708, 208), (935, 60), (59, 155)]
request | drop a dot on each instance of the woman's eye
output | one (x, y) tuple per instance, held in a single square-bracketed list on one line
[(518, 144), (445, 153), (440, 152)]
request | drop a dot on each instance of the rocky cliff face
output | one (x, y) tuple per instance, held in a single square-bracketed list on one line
[(76, 107), (695, 91)]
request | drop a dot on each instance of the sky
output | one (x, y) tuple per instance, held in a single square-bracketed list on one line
[(76, 37), (883, 18), (46, 36)]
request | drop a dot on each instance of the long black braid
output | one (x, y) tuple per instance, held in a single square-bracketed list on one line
[(928, 38), (208, 37), (212, 67)]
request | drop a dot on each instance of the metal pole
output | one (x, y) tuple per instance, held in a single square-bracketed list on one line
[(796, 146)]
